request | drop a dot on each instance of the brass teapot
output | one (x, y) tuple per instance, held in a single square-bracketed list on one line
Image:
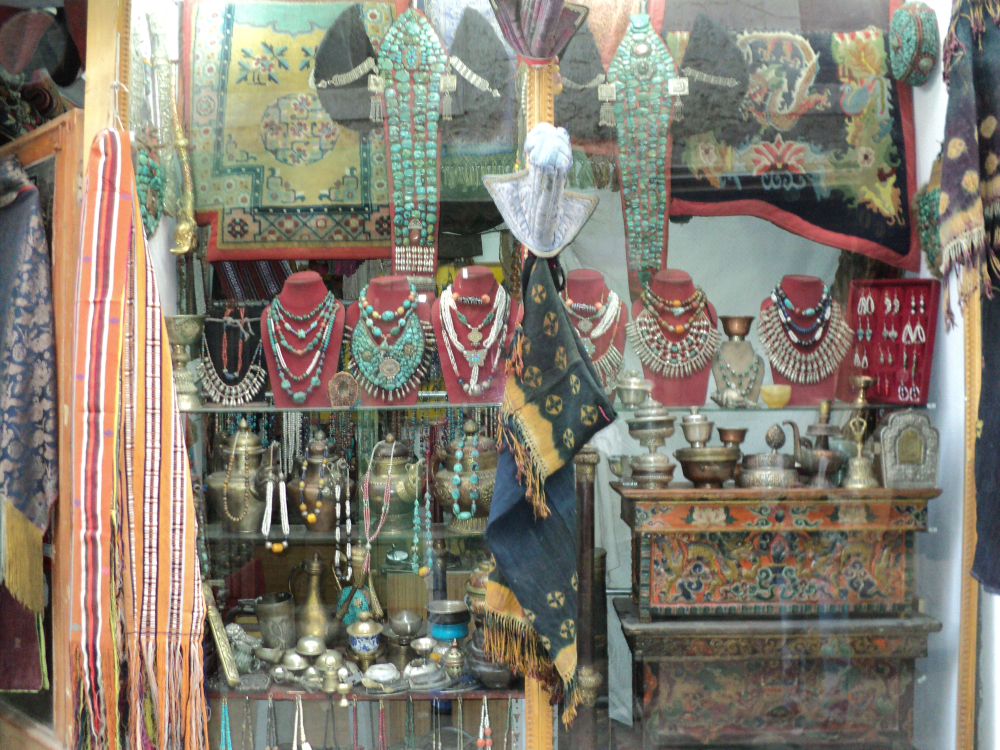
[(321, 485), (236, 489), (818, 461), (393, 463), (459, 453)]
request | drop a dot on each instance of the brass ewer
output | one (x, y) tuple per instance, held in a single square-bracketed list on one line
[(818, 461), (311, 614), (460, 453), (393, 463)]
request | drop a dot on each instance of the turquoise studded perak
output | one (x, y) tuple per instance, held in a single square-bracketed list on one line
[(412, 63), (641, 71), (391, 371)]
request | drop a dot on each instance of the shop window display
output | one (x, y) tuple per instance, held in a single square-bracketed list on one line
[(446, 255)]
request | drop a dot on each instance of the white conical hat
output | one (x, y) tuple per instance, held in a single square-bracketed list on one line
[(533, 202)]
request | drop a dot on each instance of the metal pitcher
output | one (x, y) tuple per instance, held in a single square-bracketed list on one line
[(312, 617)]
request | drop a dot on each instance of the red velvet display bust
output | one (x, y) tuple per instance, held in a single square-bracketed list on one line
[(303, 292), (588, 286), (804, 292), (478, 282), (388, 293), (673, 284)]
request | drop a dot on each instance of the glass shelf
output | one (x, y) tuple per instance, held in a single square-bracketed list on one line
[(437, 400), (299, 534)]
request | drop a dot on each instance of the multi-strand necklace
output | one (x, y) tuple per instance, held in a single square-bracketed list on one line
[(389, 370), (640, 73), (674, 359), (827, 339), (227, 394), (313, 329), (729, 375), (478, 350), (603, 316), (674, 308)]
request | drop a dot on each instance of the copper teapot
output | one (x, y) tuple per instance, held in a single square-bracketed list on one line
[(819, 461)]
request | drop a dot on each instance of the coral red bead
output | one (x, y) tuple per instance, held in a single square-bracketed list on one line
[(480, 742)]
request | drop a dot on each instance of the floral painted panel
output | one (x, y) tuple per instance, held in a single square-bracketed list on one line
[(768, 572), (811, 702)]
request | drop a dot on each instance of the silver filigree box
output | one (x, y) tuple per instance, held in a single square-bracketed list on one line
[(907, 451)]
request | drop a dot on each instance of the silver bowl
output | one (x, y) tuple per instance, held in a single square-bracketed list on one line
[(697, 433), (423, 646), (769, 477), (406, 623), (632, 388)]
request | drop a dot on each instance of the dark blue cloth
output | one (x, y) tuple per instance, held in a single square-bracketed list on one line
[(986, 564), (537, 557)]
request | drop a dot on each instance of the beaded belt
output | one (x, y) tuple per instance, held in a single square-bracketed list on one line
[(641, 71), (413, 65)]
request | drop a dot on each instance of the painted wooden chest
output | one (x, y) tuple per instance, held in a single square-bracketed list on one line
[(773, 552), (819, 682)]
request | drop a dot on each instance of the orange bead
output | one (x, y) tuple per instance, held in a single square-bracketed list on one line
[(678, 329), (311, 518), (569, 302), (599, 306), (486, 299), (480, 742), (277, 548)]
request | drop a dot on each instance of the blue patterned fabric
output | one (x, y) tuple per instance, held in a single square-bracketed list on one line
[(28, 429)]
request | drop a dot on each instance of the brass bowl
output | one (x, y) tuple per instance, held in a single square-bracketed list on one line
[(708, 468), (736, 325), (732, 436), (775, 396), (767, 477), (754, 461)]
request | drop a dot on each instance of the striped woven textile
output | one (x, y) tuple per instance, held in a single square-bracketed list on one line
[(138, 613)]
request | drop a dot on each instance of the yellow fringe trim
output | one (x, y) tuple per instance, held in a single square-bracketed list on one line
[(534, 482), (24, 577), (515, 643)]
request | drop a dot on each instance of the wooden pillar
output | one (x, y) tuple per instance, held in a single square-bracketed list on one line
[(584, 733)]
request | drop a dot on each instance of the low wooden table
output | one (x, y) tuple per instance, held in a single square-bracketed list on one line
[(818, 682), (734, 551)]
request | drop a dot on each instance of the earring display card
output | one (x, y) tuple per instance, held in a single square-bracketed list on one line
[(893, 322)]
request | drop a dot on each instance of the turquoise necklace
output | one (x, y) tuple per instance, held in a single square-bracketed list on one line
[(150, 185), (276, 320), (387, 370), (396, 318), (641, 71), (456, 480), (412, 64)]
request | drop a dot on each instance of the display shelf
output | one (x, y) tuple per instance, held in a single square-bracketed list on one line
[(437, 400), (685, 491), (298, 533), (290, 695)]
